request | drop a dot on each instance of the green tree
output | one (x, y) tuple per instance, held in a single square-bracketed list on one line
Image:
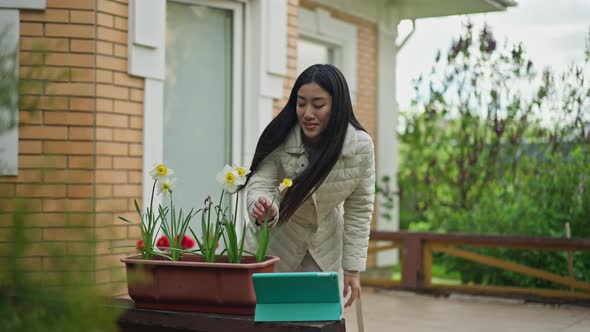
[(499, 147), (66, 299)]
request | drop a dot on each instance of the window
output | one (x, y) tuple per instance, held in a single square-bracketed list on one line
[(311, 52), (9, 71), (197, 119), (325, 39), (9, 20)]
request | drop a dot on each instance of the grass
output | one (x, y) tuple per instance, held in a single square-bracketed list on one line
[(439, 274)]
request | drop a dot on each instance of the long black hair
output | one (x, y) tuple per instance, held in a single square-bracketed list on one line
[(331, 140)]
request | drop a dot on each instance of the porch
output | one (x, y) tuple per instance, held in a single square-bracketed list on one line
[(386, 310)]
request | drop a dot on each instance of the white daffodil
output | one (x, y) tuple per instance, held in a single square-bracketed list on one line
[(161, 171), (242, 173), (166, 185), (229, 178), (285, 184)]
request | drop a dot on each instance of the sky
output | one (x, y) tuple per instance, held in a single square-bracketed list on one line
[(552, 33)]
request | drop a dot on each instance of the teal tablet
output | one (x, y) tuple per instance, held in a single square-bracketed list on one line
[(297, 296)]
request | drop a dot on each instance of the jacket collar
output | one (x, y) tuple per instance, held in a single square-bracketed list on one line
[(294, 141)]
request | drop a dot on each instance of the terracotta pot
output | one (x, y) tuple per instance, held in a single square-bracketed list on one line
[(193, 285)]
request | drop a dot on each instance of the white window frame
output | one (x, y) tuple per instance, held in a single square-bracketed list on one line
[(147, 58), (23, 4), (265, 52), (10, 16), (319, 26), (266, 56)]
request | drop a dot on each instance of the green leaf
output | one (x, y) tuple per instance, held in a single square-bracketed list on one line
[(137, 208), (126, 220)]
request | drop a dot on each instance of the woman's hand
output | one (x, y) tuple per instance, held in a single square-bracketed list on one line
[(351, 280), (261, 208)]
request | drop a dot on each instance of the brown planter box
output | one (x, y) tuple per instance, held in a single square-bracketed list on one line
[(193, 285)]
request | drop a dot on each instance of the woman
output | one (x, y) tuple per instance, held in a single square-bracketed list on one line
[(325, 216)]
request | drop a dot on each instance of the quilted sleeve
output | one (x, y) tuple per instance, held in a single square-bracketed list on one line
[(358, 210), (263, 182)]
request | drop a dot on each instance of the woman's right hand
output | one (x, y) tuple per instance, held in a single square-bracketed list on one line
[(261, 208)]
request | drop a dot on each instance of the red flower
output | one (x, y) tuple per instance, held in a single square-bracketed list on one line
[(187, 243), (140, 245), (163, 242)]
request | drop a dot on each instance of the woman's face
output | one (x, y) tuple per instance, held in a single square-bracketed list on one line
[(314, 105)]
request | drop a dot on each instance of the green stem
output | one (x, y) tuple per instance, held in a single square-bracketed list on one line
[(173, 241), (233, 222), (264, 234), (236, 209), (147, 243), (152, 198)]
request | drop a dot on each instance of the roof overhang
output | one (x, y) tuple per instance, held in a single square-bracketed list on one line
[(397, 10), (415, 9)]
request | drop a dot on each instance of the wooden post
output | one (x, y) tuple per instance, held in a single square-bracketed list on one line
[(412, 274), (416, 253), (427, 262), (360, 321), (570, 257)]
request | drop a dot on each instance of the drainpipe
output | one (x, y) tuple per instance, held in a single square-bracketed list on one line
[(407, 37)]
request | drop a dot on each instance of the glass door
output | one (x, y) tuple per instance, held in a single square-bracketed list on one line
[(201, 95)]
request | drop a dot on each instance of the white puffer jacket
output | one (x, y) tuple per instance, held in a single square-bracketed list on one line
[(334, 223)]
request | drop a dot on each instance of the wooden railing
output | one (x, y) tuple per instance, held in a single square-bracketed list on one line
[(416, 251)]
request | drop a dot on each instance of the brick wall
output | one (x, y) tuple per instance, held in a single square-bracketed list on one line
[(80, 154), (119, 136), (366, 99), (292, 37), (56, 141)]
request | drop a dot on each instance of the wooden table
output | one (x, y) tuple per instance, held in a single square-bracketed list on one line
[(141, 320)]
